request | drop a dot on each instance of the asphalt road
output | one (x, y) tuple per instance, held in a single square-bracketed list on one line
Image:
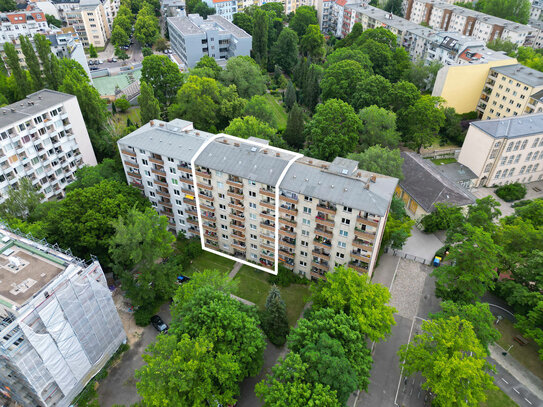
[(511, 386)]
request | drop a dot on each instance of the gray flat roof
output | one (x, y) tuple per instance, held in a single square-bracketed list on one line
[(31, 105), (185, 25), (512, 127), (228, 26), (169, 139), (427, 185), (521, 73), (194, 24), (245, 160), (538, 95), (456, 172)]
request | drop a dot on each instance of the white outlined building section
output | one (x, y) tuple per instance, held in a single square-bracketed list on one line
[(257, 160)]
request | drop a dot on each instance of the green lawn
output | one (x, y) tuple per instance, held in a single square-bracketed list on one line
[(439, 161), (526, 355), (498, 398), (278, 111), (253, 286), (210, 261), (118, 120)]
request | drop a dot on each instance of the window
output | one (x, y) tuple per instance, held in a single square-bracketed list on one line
[(517, 158), (254, 256), (149, 183), (529, 156), (498, 173), (303, 254), (488, 167), (347, 209), (534, 144), (307, 210), (305, 232), (251, 183), (308, 199), (253, 227), (225, 237), (535, 168), (254, 246), (171, 160), (151, 193), (345, 221), (511, 172), (224, 227), (343, 245), (144, 161), (304, 243), (509, 146), (221, 196), (503, 161), (343, 233), (172, 170), (253, 237), (523, 146), (534, 157), (303, 263), (176, 192), (511, 158), (175, 182), (517, 145), (222, 207), (252, 205), (252, 194), (340, 255), (220, 185), (252, 216), (306, 222), (218, 173), (148, 173), (180, 212), (222, 216)]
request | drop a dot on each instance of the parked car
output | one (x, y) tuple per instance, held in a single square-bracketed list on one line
[(182, 279), (90, 62), (94, 68), (113, 59), (159, 324)]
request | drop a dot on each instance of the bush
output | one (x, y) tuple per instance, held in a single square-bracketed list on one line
[(522, 203), (442, 218), (511, 192), (143, 314), (122, 104), (146, 51), (286, 277)]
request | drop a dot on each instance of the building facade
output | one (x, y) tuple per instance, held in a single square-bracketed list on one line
[(503, 151), (193, 37), (25, 23), (507, 91), (259, 203), (58, 323), (43, 138)]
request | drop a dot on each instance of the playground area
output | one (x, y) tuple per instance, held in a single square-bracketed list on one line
[(108, 86)]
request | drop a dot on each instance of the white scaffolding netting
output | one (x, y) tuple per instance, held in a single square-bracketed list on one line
[(52, 358), (109, 312), (32, 367), (68, 344)]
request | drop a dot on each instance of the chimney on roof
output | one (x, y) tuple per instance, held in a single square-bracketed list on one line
[(161, 124), (197, 133), (236, 144), (373, 178), (265, 151), (225, 141), (277, 155), (367, 186), (152, 123), (39, 97)]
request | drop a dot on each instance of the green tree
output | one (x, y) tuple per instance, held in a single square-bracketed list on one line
[(21, 200), (452, 128), (372, 90), (333, 131), (260, 37), (531, 324), (243, 72), (121, 54), (208, 62), (82, 220), (163, 76), (294, 133), (250, 126), (477, 314), (274, 318), (380, 55), (502, 45), (421, 122), (186, 372), (43, 48), (290, 95), (8, 5), (350, 38), (513, 10), (288, 385), (312, 42), (206, 103), (402, 96), (342, 54), (88, 176), (244, 21), (423, 75), (354, 294), (483, 213), (444, 217), (285, 51), (378, 127), (451, 359), (259, 107), (223, 320), (338, 326), (146, 29), (380, 160), (92, 51), (124, 19), (119, 37), (380, 35), (122, 104), (53, 21), (12, 59), (340, 79), (149, 106), (473, 269), (32, 62), (533, 212), (203, 9), (394, 7), (303, 18), (398, 226), (146, 51)]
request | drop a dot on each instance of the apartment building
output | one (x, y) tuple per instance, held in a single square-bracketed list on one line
[(43, 138), (58, 323), (224, 8), (503, 151), (440, 15), (193, 37), (535, 9), (507, 91), (258, 203), (29, 22)]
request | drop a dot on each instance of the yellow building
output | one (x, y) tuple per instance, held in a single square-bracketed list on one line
[(508, 90), (462, 85)]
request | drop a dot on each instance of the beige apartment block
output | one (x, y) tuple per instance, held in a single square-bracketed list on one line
[(508, 90), (327, 214), (503, 151)]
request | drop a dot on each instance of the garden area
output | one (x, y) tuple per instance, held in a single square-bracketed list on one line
[(209, 261), (277, 109), (497, 398)]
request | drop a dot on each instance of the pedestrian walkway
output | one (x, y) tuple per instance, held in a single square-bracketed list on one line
[(422, 245), (235, 270)]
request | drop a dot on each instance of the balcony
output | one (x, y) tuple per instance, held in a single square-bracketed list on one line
[(211, 236), (189, 201), (209, 227), (187, 191), (204, 174), (239, 246), (364, 235), (321, 254), (192, 221), (267, 255), (166, 213), (186, 180), (191, 212), (207, 207), (361, 256), (286, 253), (321, 232), (137, 185), (317, 275), (288, 242), (269, 237), (204, 186), (322, 265), (161, 183), (358, 267), (167, 204), (267, 192), (267, 204), (234, 195), (363, 245), (205, 196), (163, 193), (321, 220), (368, 222), (287, 265), (267, 225), (184, 168), (290, 199), (237, 226), (289, 210), (132, 174), (287, 232), (158, 172), (286, 221), (267, 215), (212, 245), (133, 165), (240, 218), (238, 206), (156, 160), (209, 216), (236, 183), (238, 236), (267, 246), (128, 153), (326, 208)]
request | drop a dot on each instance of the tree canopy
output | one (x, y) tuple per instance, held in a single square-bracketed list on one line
[(164, 77), (243, 72)]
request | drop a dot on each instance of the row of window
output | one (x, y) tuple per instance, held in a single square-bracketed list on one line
[(524, 170)]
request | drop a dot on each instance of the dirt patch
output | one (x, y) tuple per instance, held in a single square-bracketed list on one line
[(126, 313)]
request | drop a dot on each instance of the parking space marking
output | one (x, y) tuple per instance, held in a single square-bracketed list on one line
[(516, 391), (505, 380), (528, 401)]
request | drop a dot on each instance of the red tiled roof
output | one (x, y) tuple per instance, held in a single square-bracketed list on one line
[(341, 2), (15, 18)]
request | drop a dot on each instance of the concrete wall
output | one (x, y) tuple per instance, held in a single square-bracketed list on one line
[(475, 151), (461, 85), (80, 132)]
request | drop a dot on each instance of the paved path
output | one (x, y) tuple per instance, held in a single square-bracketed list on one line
[(235, 270), (422, 245)]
